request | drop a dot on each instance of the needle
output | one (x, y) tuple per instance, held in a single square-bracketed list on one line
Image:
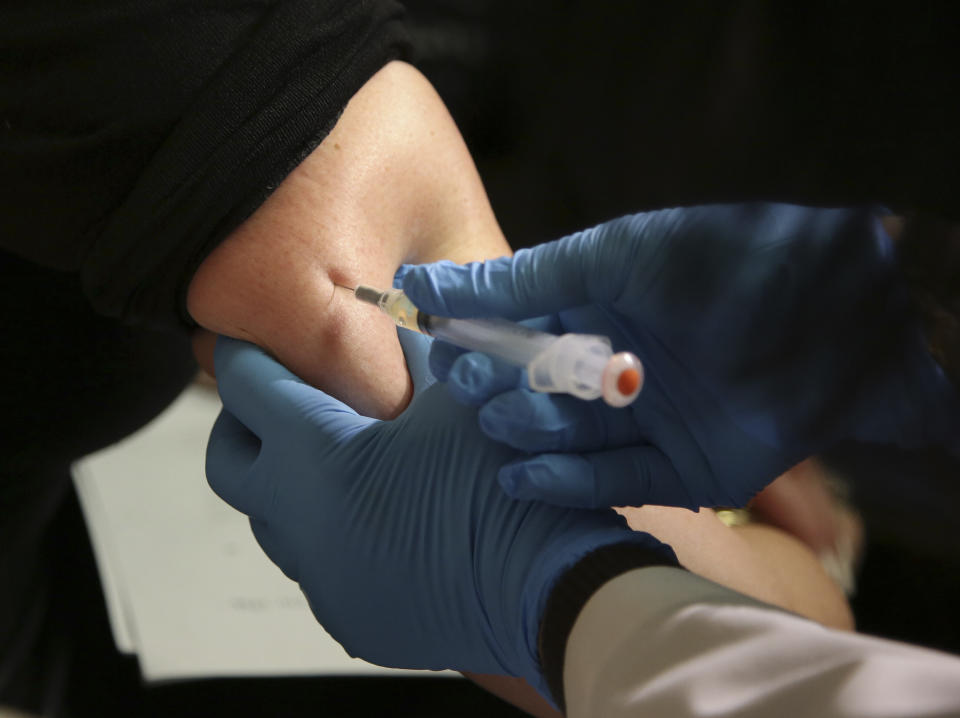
[(343, 286)]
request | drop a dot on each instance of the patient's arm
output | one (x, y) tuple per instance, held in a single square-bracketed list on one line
[(392, 183)]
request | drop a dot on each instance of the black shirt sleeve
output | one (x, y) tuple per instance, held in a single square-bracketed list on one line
[(135, 136)]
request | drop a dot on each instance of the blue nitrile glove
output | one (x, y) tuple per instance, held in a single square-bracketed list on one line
[(768, 332), (406, 548)]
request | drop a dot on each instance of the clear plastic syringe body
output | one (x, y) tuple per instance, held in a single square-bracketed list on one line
[(579, 364)]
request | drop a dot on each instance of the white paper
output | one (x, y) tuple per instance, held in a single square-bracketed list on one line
[(188, 588), (104, 551)]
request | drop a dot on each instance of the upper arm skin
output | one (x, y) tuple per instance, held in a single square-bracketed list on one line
[(393, 182)]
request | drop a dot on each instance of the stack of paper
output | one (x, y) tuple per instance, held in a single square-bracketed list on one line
[(188, 589)]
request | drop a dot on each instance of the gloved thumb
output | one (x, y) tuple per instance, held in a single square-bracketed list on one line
[(269, 400)]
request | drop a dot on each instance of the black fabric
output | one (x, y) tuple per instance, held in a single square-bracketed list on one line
[(137, 135)]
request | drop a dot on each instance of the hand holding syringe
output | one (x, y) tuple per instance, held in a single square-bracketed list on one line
[(583, 365)]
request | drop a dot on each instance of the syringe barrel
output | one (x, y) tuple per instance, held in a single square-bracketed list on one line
[(511, 342)]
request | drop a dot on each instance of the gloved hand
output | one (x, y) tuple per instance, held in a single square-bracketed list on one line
[(767, 332), (406, 548)]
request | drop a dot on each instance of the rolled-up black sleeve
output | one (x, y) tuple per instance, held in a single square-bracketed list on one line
[(135, 136)]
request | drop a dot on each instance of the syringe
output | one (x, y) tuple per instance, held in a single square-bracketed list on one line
[(583, 365)]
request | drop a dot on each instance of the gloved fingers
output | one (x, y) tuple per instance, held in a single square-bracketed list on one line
[(275, 548), (583, 268), (620, 477), (538, 423), (232, 453), (416, 350), (476, 377), (254, 387)]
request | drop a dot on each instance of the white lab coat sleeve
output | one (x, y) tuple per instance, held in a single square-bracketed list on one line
[(664, 642)]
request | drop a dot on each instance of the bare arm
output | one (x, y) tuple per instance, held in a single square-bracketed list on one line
[(392, 183)]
